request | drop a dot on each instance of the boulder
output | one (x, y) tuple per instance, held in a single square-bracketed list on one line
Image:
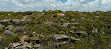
[(95, 30), (10, 27), (36, 46), (16, 21), (26, 21), (1, 26), (63, 20), (65, 25), (36, 39), (7, 32), (73, 20), (6, 21), (62, 37), (20, 29), (62, 43)]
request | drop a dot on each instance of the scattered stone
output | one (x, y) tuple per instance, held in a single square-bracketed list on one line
[(26, 21), (7, 32), (6, 21), (74, 39), (64, 38), (65, 25), (16, 21), (62, 43), (24, 37), (80, 32), (61, 14), (73, 20), (95, 30), (20, 29), (1, 26), (48, 23), (10, 27), (36, 39), (61, 36), (82, 18), (36, 46), (63, 20), (27, 45)]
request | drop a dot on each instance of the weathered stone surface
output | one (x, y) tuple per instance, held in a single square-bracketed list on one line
[(61, 14), (64, 37), (36, 39), (7, 32), (1, 26), (22, 38), (48, 23), (62, 43), (65, 25), (80, 32), (73, 20), (74, 39), (95, 30), (26, 21), (23, 45), (63, 20), (36, 46), (60, 36), (20, 29), (5, 20), (10, 27), (16, 21)]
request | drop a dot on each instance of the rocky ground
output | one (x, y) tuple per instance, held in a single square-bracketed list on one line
[(55, 30)]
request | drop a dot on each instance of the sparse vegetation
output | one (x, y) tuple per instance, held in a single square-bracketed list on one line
[(43, 24)]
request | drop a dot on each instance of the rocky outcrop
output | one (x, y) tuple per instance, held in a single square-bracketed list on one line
[(5, 21), (78, 32), (7, 32), (1, 26), (65, 25), (16, 21), (10, 27), (20, 29), (64, 37)]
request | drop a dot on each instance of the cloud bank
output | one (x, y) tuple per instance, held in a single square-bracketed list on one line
[(64, 5)]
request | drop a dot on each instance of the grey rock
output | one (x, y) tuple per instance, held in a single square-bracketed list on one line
[(95, 30), (80, 32), (65, 25), (36, 46), (10, 27), (26, 21), (73, 20), (62, 43), (6, 20), (74, 39), (63, 20), (7, 32), (1, 26), (20, 29), (16, 21), (60, 36)]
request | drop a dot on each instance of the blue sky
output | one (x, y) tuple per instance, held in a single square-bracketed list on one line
[(64, 5)]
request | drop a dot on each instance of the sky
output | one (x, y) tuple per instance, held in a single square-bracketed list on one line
[(64, 5)]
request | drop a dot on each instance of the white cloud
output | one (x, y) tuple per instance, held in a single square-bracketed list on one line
[(39, 5)]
